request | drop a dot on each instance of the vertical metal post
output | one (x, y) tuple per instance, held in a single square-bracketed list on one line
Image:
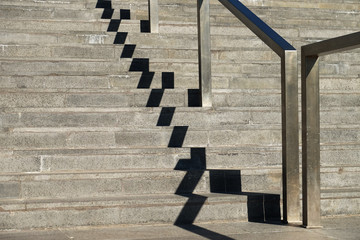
[(203, 14), (290, 137), (310, 140), (154, 16)]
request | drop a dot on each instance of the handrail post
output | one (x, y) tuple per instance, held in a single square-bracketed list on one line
[(204, 52), (154, 16), (290, 136), (311, 140), (310, 108)]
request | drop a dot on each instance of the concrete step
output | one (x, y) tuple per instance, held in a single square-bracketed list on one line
[(144, 209), (156, 80), (183, 67), (46, 13), (26, 119), (336, 155), (77, 4), (340, 202), (114, 52), (53, 25), (129, 81), (179, 136), (141, 98), (137, 118), (81, 184), (141, 40), (294, 19), (224, 46), (260, 98), (226, 158), (122, 159), (14, 211)]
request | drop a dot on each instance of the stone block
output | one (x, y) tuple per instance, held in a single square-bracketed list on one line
[(340, 178), (32, 100), (339, 158), (342, 136), (142, 139), (55, 218), (85, 52), (52, 188), (54, 82), (27, 38), (9, 120), (247, 137), (334, 100), (97, 100), (63, 67), (91, 139), (19, 164), (17, 51), (236, 159), (10, 190), (31, 119), (253, 100), (32, 140), (110, 162)]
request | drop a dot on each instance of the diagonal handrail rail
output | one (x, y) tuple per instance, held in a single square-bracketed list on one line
[(271, 38), (310, 98), (289, 92)]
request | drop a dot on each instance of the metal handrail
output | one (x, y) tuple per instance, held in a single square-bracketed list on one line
[(153, 6), (289, 93), (289, 96), (289, 90), (271, 38), (310, 97)]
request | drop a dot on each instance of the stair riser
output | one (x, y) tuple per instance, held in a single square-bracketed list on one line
[(118, 215), (137, 183), (248, 181), (39, 25), (116, 52), (167, 99), (143, 119), (90, 140), (43, 13), (156, 214), (180, 12), (122, 81), (184, 67), (221, 159), (131, 81)]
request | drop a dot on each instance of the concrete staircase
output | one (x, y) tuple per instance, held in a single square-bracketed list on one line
[(100, 121)]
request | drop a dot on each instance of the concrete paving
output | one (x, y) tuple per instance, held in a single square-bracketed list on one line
[(333, 228)]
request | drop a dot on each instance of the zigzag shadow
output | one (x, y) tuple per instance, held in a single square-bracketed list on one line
[(196, 165)]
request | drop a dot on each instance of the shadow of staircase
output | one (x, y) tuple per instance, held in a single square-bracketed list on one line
[(261, 207)]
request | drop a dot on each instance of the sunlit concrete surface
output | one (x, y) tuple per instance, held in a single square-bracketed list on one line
[(333, 228)]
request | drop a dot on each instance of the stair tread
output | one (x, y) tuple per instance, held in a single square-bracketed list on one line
[(151, 199)]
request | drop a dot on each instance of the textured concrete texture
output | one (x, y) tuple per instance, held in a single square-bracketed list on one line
[(333, 228), (100, 124)]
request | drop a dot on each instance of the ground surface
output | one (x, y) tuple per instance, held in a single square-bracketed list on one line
[(333, 228)]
